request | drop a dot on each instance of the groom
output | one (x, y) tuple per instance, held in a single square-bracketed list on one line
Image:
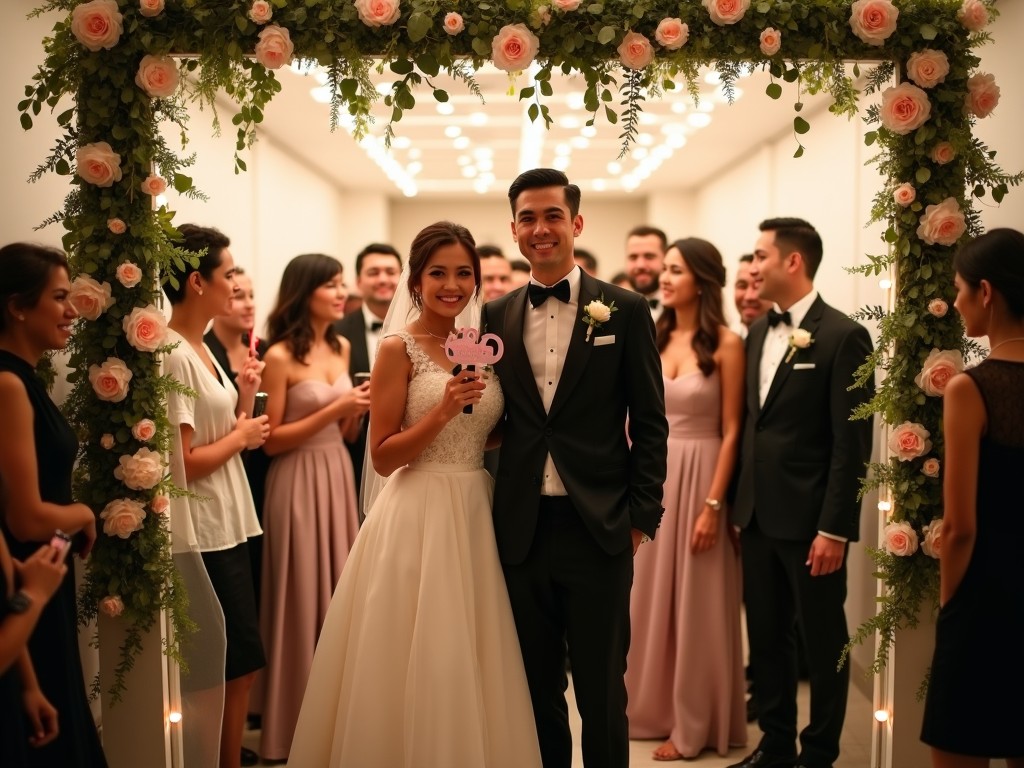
[(576, 492)]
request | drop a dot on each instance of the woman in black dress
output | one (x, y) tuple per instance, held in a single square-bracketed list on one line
[(37, 454), (974, 710)]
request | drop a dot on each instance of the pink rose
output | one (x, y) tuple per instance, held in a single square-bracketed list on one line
[(145, 328), (939, 367), (261, 12), (160, 504), (514, 47), (930, 467), (942, 153), (153, 185), (453, 23), (112, 606), (942, 224), (771, 41), (378, 13), (157, 76), (107, 441), (905, 108), (982, 94), (98, 164), (904, 194), (117, 226), (543, 17), (151, 8), (873, 21), (275, 47), (122, 517), (144, 430), (128, 274), (938, 307), (635, 51), (927, 68), (910, 440), (726, 11), (973, 15), (141, 471), (672, 34), (566, 5), (900, 539), (97, 24), (90, 298), (110, 380), (932, 544)]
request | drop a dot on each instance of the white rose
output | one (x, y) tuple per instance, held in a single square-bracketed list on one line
[(90, 298), (141, 471), (800, 338), (122, 517), (599, 311)]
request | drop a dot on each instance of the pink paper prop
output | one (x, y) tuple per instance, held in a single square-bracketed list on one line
[(467, 347)]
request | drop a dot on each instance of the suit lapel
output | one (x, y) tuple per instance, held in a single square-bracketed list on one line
[(810, 323), (515, 347), (755, 347), (578, 353)]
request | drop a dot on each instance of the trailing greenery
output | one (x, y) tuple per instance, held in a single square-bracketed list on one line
[(415, 46)]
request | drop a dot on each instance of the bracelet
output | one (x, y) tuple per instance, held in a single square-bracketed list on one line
[(715, 504)]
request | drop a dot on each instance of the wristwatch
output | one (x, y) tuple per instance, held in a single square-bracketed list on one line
[(19, 602), (715, 504)]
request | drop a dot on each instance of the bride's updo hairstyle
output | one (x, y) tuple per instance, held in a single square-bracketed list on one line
[(427, 242), (996, 256)]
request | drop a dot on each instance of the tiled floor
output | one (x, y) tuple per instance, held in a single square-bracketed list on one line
[(855, 745)]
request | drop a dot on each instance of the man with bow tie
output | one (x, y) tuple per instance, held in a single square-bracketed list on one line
[(576, 492), (645, 261), (378, 267), (801, 464)]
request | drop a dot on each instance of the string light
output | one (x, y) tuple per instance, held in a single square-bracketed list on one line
[(884, 506), (885, 283), (174, 717), (881, 715)]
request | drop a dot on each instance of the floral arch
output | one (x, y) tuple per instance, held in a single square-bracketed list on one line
[(113, 57)]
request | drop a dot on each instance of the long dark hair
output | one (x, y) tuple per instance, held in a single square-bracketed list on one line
[(428, 240), (705, 262), (996, 256), (24, 272), (289, 320)]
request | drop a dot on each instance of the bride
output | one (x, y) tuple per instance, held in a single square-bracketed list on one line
[(418, 663)]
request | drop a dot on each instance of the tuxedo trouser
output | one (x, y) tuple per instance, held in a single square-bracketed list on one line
[(778, 589), (568, 590)]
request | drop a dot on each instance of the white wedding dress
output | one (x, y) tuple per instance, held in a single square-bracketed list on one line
[(418, 663)]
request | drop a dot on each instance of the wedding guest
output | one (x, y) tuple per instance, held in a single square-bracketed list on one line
[(749, 306), (645, 260), (797, 497), (37, 456), (621, 279), (684, 674), (214, 430), (586, 261), (310, 516), (495, 274), (974, 710), (520, 273)]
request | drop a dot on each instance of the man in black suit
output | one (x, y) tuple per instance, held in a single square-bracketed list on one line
[(378, 267), (573, 497), (802, 461)]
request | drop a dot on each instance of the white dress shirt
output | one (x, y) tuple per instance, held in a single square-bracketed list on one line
[(547, 329), (372, 336), (776, 343)]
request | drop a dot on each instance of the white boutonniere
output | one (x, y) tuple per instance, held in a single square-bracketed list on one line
[(798, 339), (596, 314)]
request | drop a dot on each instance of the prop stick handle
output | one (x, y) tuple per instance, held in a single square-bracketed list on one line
[(252, 342), (469, 408)]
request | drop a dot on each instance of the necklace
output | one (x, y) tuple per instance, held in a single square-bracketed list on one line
[(997, 346), (441, 339)]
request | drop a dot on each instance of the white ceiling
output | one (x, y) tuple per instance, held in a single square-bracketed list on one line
[(495, 140)]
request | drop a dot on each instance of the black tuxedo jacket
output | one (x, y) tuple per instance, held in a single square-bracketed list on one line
[(353, 328), (615, 483), (802, 458)]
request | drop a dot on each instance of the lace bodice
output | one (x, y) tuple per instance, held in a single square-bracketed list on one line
[(462, 440)]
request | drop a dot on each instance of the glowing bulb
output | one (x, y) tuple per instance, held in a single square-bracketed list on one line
[(881, 715), (885, 283), (884, 506), (174, 717)]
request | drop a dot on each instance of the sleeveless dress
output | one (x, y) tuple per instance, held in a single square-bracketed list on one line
[(974, 704), (310, 521), (418, 664), (684, 672), (54, 643)]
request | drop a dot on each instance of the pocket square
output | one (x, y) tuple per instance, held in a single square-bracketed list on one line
[(600, 341), (802, 366)]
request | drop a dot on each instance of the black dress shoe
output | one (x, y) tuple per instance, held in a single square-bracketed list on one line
[(249, 757), (761, 759)]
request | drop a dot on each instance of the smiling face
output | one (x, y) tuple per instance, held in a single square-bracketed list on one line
[(216, 292), (678, 284), (768, 269), (446, 284), (327, 301), (745, 291), (496, 277), (48, 324), (545, 231), (378, 279), (645, 259), (242, 315)]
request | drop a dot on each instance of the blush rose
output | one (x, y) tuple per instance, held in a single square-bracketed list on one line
[(112, 606), (904, 194), (153, 185), (90, 298), (942, 153), (905, 108), (973, 15), (931, 467), (453, 23), (145, 328), (900, 539), (939, 367), (514, 47), (128, 274), (927, 68), (635, 51), (932, 544), (726, 11), (566, 5), (910, 440), (157, 76), (261, 11), (982, 94), (151, 8), (938, 307), (672, 34), (110, 380), (140, 471), (98, 164), (107, 441), (378, 13), (275, 47), (97, 24), (122, 517), (942, 224), (117, 226), (771, 41), (160, 504), (144, 430), (873, 21)]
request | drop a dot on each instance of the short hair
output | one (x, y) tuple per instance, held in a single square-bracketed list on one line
[(586, 257), (619, 277), (996, 256), (747, 258), (538, 178), (427, 241), (645, 230), (197, 239), (792, 234), (375, 248), (490, 252), (25, 270)]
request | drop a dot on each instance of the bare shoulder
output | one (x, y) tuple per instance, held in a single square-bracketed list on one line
[(962, 390), (729, 340), (278, 354), (11, 386), (346, 345)]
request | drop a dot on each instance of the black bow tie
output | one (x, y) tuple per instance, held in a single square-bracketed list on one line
[(774, 318), (653, 303), (539, 293), (376, 325)]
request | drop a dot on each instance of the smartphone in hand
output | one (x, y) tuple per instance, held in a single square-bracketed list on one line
[(358, 379), (61, 542)]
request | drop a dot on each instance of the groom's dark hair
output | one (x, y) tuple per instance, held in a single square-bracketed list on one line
[(792, 234), (545, 177)]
